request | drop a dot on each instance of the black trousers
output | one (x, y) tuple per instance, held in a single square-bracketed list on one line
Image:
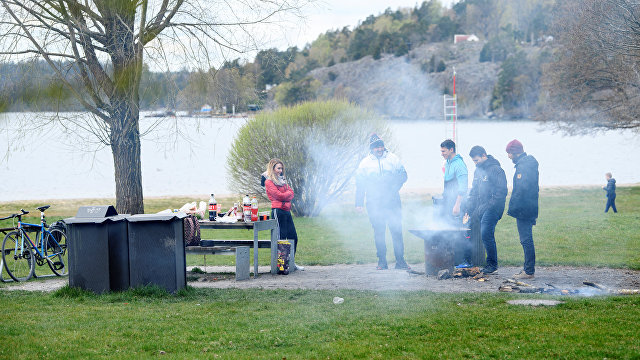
[(381, 217), (287, 228)]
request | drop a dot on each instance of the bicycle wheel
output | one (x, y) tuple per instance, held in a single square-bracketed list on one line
[(19, 263), (56, 251)]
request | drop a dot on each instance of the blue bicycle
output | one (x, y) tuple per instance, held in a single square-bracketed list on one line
[(20, 253)]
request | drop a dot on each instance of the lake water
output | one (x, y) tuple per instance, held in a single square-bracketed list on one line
[(187, 156)]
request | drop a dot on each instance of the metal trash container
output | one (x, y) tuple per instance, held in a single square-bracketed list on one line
[(98, 249), (156, 251)]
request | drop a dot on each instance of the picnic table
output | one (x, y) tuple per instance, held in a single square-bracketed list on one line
[(213, 246)]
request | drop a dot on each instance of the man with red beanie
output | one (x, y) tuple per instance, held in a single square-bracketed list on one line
[(523, 205)]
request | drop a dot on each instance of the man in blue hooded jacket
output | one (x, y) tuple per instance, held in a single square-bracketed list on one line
[(456, 183)]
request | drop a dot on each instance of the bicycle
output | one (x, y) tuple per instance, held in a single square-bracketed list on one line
[(20, 253)]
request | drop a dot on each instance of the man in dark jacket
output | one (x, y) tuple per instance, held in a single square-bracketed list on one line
[(486, 201), (379, 178), (611, 193), (523, 204)]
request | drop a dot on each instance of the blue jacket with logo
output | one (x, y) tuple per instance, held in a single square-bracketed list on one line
[(524, 196)]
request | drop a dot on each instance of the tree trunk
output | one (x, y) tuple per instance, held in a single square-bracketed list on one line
[(125, 113), (128, 171)]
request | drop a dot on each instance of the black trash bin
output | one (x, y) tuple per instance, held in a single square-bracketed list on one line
[(98, 249), (156, 251)]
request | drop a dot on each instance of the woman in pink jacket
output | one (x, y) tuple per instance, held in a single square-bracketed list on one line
[(281, 194)]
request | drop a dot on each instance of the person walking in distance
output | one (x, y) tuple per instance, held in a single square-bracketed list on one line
[(523, 205), (281, 194), (379, 178), (486, 201), (611, 193), (456, 183)]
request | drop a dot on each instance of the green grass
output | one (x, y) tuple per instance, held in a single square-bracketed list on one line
[(304, 324)]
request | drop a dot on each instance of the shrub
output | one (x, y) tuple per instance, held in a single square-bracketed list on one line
[(320, 143)]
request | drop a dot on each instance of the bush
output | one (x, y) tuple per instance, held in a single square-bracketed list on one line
[(320, 143)]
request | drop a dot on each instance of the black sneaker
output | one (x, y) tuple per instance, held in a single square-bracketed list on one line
[(488, 270), (382, 265), (403, 266)]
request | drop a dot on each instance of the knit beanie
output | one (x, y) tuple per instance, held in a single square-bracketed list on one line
[(515, 147), (375, 141)]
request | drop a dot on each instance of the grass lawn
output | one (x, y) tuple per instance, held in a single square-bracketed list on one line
[(259, 324), (305, 324)]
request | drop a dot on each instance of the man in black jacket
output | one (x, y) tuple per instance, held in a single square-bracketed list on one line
[(486, 201), (524, 203)]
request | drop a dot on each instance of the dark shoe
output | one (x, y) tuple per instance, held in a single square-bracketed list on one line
[(488, 270), (402, 266), (382, 265)]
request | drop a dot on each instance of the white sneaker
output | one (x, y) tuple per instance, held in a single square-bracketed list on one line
[(299, 267)]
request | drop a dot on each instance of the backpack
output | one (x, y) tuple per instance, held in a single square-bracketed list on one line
[(59, 225), (191, 231)]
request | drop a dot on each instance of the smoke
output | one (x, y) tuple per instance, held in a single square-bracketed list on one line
[(391, 86)]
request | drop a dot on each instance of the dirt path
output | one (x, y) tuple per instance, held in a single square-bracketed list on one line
[(365, 277)]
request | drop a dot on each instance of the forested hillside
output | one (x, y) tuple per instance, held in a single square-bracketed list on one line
[(399, 63)]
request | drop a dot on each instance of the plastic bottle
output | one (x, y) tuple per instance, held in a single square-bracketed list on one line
[(246, 208), (254, 209), (213, 208)]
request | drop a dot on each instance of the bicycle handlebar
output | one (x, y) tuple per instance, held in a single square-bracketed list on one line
[(15, 215)]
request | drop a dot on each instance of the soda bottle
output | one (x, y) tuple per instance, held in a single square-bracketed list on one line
[(254, 209), (213, 207), (246, 208)]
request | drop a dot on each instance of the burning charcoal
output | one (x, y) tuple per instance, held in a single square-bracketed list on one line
[(444, 274), (466, 272)]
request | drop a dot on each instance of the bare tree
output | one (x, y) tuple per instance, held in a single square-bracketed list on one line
[(594, 81), (105, 43)]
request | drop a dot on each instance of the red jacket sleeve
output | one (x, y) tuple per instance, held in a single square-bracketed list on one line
[(279, 193)]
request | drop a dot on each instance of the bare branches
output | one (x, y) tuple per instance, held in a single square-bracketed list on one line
[(594, 82)]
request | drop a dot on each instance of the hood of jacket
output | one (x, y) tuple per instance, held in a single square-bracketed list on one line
[(491, 161)]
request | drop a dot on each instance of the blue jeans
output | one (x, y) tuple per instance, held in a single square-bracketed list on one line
[(487, 232), (611, 203), (525, 230)]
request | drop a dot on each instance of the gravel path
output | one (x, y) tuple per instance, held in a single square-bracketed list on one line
[(365, 277)]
